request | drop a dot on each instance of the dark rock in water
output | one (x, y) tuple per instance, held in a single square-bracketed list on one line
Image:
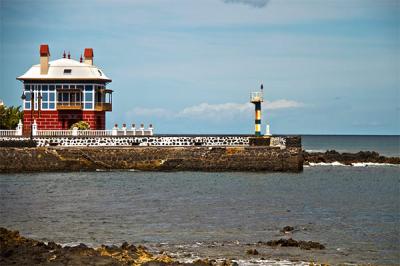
[(331, 156), (310, 245), (53, 245), (287, 229), (125, 245), (252, 252), (294, 243)]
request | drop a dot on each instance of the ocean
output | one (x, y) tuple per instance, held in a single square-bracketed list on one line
[(353, 211), (384, 145)]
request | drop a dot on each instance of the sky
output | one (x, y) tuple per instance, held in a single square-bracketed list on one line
[(186, 66)]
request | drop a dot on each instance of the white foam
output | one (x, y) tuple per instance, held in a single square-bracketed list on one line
[(270, 262), (253, 262), (322, 151), (71, 244), (373, 164), (327, 164), (360, 164)]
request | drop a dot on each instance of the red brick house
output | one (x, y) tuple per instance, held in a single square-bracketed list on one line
[(65, 91)]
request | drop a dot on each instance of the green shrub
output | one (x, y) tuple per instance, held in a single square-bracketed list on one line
[(81, 125), (10, 116)]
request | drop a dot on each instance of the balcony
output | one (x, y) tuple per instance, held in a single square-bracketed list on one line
[(69, 105), (103, 107)]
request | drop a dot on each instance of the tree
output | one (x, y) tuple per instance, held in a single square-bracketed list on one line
[(10, 116)]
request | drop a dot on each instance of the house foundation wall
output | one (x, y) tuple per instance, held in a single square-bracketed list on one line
[(52, 120)]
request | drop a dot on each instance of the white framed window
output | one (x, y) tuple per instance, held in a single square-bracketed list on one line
[(88, 97)]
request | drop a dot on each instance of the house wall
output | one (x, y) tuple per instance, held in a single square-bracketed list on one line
[(50, 120)]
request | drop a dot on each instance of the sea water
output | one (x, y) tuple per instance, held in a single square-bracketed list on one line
[(353, 211), (385, 145)]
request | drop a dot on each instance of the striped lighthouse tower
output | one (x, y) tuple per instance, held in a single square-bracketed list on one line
[(257, 98)]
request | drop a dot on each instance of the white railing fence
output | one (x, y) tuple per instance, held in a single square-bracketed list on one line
[(8, 132), (53, 133), (93, 133), (133, 131)]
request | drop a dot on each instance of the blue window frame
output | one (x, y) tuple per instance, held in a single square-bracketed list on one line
[(88, 97)]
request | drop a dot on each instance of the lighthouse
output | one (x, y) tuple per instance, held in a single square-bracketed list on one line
[(257, 98)]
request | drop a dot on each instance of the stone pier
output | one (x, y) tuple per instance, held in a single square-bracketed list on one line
[(153, 154)]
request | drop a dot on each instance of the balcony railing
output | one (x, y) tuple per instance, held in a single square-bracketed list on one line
[(79, 106), (69, 105), (103, 106)]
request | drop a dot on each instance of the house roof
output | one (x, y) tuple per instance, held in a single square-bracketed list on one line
[(66, 69)]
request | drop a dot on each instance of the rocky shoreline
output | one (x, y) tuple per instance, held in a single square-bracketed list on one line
[(18, 250), (332, 156)]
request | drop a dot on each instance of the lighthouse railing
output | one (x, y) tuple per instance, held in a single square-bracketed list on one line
[(256, 96)]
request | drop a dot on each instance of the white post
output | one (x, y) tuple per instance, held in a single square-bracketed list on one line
[(267, 133), (142, 128), (151, 129), (124, 129), (133, 128), (34, 128), (74, 131), (114, 131), (19, 129)]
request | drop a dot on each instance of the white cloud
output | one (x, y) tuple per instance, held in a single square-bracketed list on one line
[(213, 111), (253, 3), (206, 109), (282, 104)]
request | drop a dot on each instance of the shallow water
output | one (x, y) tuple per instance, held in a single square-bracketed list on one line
[(354, 211)]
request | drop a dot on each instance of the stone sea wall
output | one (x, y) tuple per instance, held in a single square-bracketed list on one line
[(193, 158), (127, 141)]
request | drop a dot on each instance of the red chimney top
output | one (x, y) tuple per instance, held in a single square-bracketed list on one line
[(44, 50), (80, 59), (64, 54), (88, 53), (69, 55)]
